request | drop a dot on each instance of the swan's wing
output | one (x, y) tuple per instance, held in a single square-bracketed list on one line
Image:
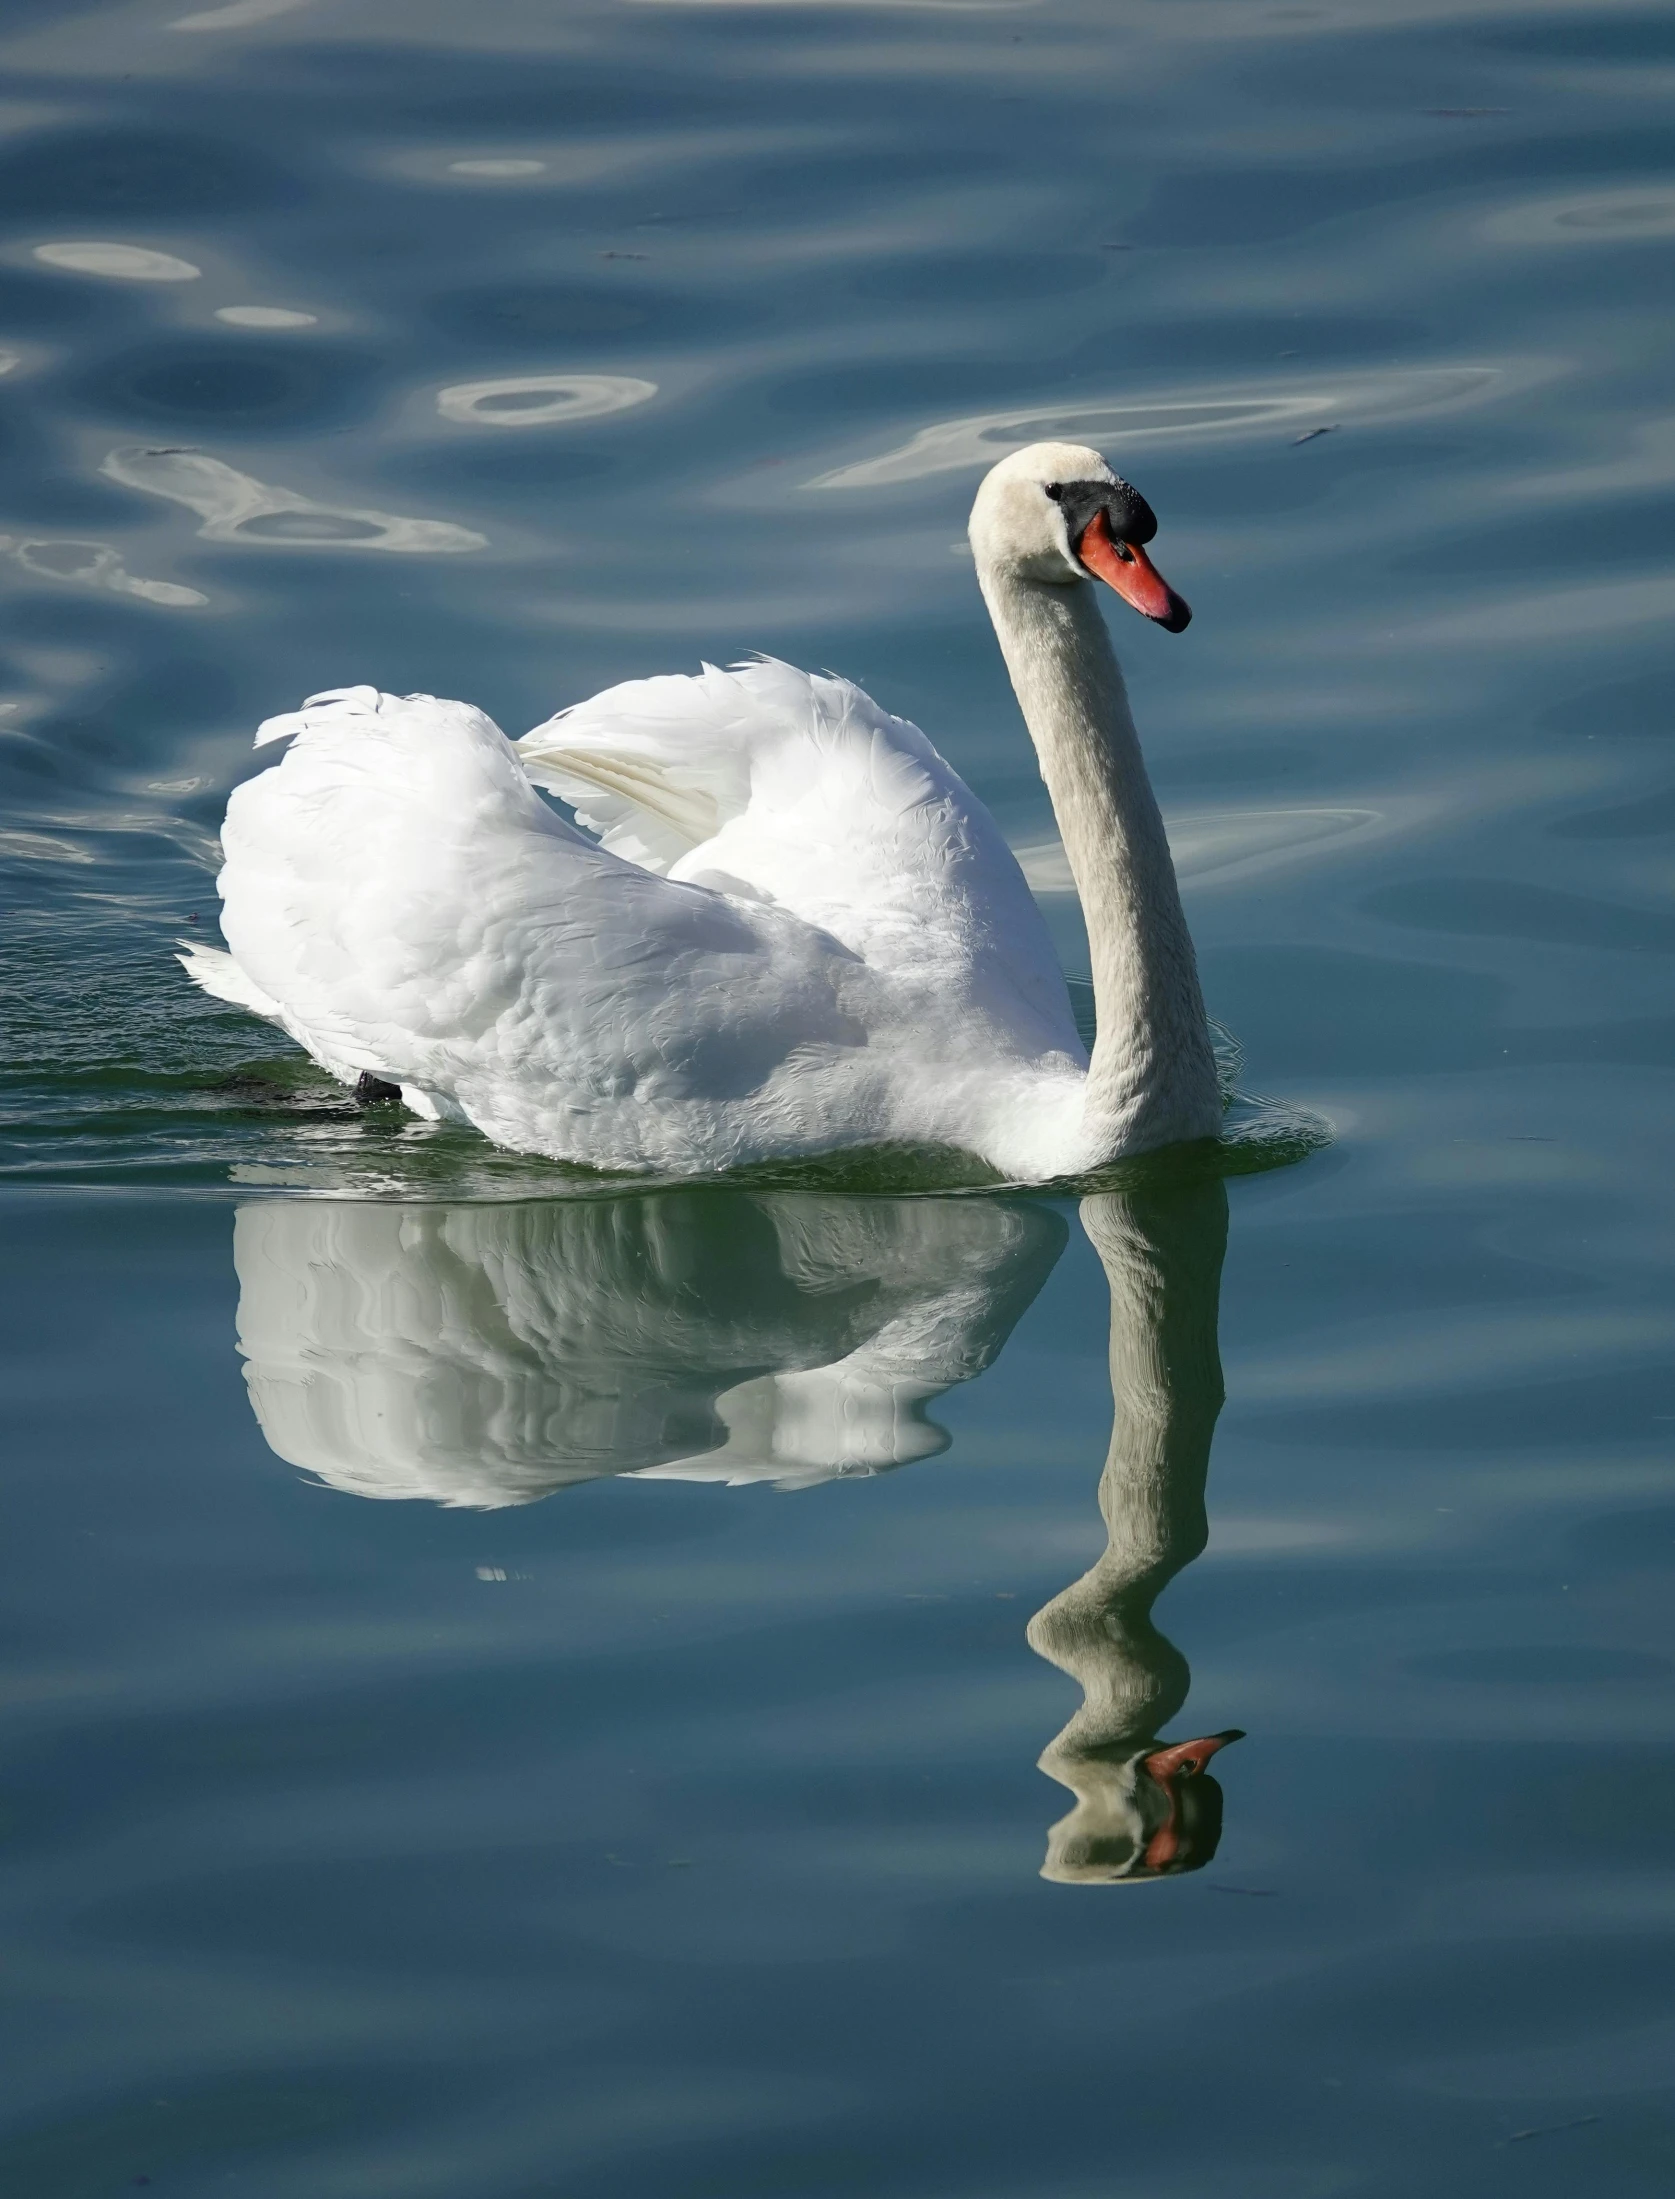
[(409, 904), (800, 788), (653, 766)]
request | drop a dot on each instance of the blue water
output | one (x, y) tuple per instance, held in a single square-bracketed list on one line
[(516, 1687)]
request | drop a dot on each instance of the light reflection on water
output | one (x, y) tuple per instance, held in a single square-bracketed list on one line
[(540, 400), (1187, 416), (687, 1836), (235, 507)]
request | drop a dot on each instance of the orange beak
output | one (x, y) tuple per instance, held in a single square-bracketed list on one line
[(1127, 568)]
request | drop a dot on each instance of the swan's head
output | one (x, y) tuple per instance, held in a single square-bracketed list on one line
[(1055, 512)]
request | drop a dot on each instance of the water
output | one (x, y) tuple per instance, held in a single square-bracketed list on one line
[(570, 1821)]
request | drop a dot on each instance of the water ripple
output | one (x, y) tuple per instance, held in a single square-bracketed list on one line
[(1232, 411), (132, 263), (96, 565), (237, 15), (497, 171), (265, 316), (541, 400), (1642, 213), (236, 507)]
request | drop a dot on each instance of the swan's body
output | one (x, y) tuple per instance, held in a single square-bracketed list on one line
[(797, 930)]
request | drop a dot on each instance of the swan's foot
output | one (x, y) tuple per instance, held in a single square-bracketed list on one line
[(371, 1091)]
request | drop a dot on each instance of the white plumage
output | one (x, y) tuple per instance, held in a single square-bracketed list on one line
[(783, 924)]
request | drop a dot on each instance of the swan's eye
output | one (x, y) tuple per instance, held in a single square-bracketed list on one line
[(1055, 489)]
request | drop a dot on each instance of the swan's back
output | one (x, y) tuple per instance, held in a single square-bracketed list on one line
[(399, 887), (850, 958), (799, 787)]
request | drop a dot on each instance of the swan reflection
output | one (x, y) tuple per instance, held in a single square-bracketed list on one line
[(1144, 1808), (489, 1355)]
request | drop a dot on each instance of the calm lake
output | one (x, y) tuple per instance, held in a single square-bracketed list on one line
[(519, 1686)]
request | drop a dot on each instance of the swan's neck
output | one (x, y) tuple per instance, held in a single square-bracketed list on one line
[(1152, 1078)]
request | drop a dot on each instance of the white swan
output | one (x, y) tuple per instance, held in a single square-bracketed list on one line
[(797, 930)]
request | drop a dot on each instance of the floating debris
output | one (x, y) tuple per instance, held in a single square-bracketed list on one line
[(1551, 2130)]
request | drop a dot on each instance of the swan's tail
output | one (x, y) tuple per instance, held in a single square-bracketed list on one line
[(220, 975)]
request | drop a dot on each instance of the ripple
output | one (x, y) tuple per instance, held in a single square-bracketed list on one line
[(1550, 616), (96, 565), (1623, 216), (1506, 908), (236, 15), (1543, 1664), (1462, 1349), (42, 847), (1647, 466), (541, 400), (131, 263), (1218, 841), (236, 507), (915, 7), (265, 316), (1241, 410), (497, 171)]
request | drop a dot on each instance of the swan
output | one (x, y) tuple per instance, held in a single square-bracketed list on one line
[(781, 924)]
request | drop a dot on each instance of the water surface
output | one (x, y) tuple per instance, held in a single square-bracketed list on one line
[(515, 1686)]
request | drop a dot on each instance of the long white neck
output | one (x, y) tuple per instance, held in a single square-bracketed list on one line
[(1152, 1080)]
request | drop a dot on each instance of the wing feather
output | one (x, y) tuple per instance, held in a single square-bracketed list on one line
[(851, 956), (401, 894), (801, 789)]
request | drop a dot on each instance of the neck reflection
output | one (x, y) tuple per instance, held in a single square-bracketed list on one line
[(1144, 1808)]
